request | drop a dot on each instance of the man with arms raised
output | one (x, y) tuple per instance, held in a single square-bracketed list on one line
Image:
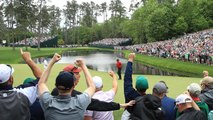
[(15, 102), (64, 107), (107, 96), (95, 103)]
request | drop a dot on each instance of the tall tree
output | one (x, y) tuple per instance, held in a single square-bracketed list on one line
[(88, 18), (70, 13), (117, 9), (10, 18), (22, 15), (54, 20), (2, 25), (112, 8), (187, 9), (205, 9), (40, 4), (45, 19), (103, 10)]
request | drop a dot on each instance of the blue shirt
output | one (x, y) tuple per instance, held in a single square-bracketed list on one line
[(168, 105)]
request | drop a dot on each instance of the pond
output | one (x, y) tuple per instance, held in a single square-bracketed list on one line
[(106, 61)]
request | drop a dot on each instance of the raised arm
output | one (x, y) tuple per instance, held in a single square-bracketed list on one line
[(114, 81), (42, 87), (27, 58), (90, 85), (129, 92)]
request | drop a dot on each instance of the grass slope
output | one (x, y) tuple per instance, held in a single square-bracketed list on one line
[(186, 68)]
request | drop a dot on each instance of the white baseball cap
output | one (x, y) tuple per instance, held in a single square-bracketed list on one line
[(5, 72), (194, 88), (183, 98), (97, 81)]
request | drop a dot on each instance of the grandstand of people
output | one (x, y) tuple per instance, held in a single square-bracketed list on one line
[(111, 42), (45, 41)]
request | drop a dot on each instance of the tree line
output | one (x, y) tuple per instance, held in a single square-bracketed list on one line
[(150, 21)]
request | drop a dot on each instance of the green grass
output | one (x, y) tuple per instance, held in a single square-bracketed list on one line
[(176, 85), (185, 68)]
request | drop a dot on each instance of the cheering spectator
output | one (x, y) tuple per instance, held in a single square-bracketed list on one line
[(64, 106), (148, 107), (21, 97), (103, 96), (129, 92), (95, 103)]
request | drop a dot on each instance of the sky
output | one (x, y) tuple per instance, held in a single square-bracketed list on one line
[(62, 3)]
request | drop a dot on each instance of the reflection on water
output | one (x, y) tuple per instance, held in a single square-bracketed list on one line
[(105, 61)]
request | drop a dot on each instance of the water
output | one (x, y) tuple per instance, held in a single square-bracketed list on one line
[(106, 61)]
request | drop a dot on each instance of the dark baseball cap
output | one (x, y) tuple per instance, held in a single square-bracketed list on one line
[(65, 80)]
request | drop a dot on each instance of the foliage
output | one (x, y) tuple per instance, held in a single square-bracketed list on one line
[(151, 20), (205, 9), (180, 26), (60, 42), (134, 29)]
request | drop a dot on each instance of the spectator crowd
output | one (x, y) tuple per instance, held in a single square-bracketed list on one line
[(110, 41), (195, 47), (32, 100)]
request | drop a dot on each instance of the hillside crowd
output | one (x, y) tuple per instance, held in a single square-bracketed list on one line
[(195, 47), (32, 100)]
